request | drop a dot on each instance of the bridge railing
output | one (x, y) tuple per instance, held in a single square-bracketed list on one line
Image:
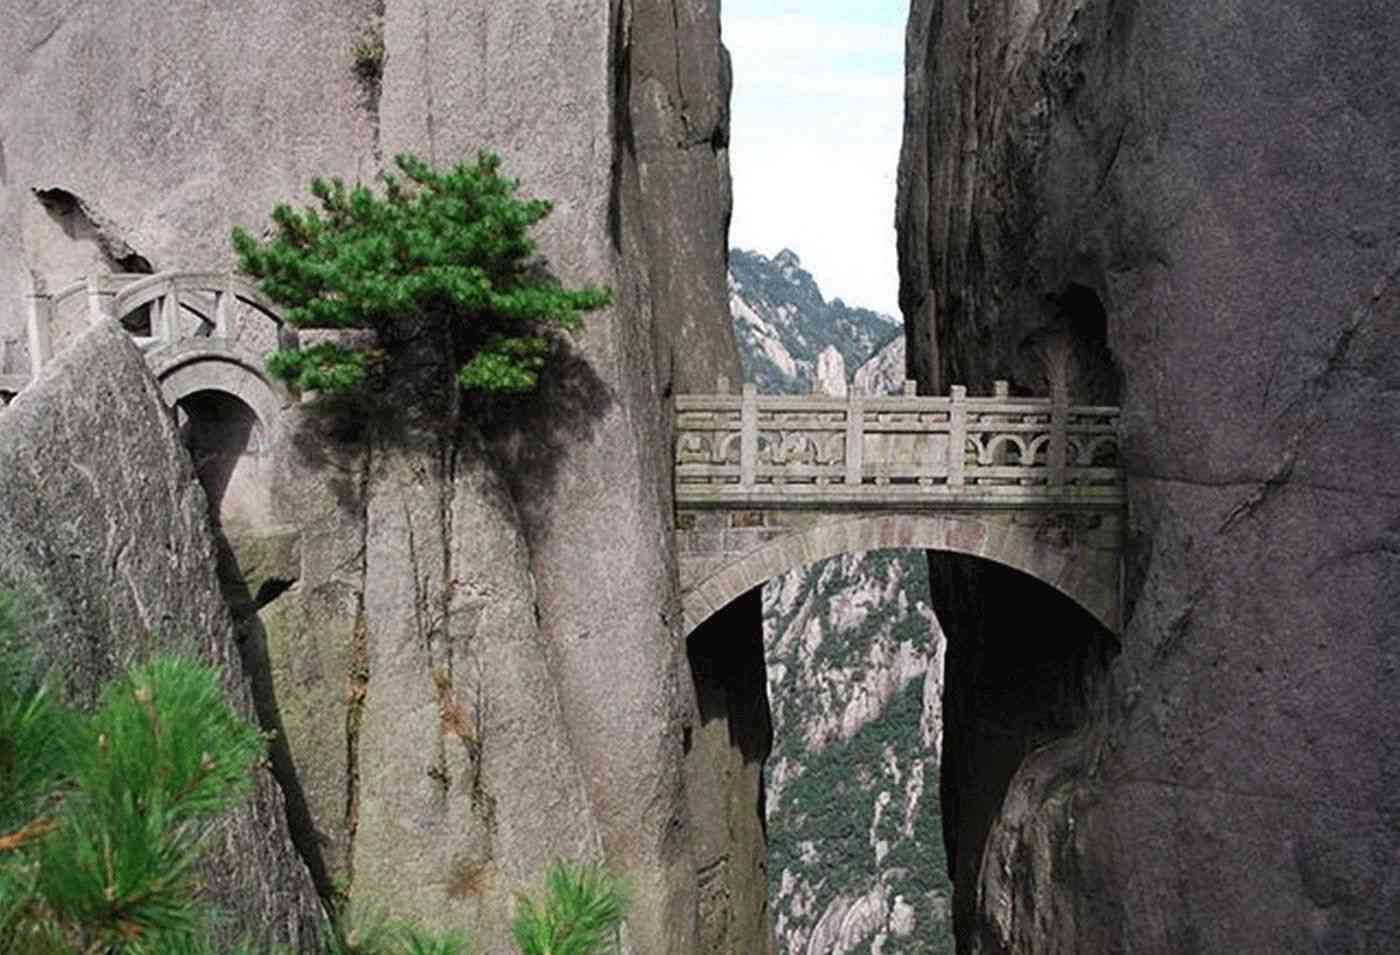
[(997, 449), (212, 298)]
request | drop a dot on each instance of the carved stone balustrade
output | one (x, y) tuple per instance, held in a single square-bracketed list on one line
[(906, 450), (200, 331)]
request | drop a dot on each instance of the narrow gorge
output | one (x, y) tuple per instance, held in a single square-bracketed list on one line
[(468, 639)]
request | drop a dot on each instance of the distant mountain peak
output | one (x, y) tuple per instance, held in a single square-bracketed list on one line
[(784, 324)]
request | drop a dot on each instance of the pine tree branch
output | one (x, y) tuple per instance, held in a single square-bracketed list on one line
[(21, 837)]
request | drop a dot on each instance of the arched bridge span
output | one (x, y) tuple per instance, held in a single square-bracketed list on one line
[(766, 484)]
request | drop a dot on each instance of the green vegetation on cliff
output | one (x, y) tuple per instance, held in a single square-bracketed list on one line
[(104, 815), (442, 255)]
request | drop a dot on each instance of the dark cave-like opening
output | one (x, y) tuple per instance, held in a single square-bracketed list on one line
[(1071, 350), (1020, 670), (218, 430)]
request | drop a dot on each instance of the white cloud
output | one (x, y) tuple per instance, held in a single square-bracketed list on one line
[(802, 37), (818, 113)]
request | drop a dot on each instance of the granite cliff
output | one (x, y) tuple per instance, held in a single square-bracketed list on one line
[(1195, 205), (784, 324), (465, 639)]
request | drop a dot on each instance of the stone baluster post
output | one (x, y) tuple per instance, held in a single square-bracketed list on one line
[(748, 437), (855, 438), (722, 385), (169, 317), (95, 313), (223, 312), (957, 436), (40, 332), (1059, 436)]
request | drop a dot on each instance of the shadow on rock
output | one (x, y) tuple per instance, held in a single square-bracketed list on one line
[(257, 669), (532, 434)]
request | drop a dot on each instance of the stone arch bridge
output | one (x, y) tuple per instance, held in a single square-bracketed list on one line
[(763, 483), (766, 484)]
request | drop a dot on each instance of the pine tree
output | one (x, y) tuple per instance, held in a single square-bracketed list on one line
[(103, 816), (442, 255)]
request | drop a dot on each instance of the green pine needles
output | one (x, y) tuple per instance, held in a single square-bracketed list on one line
[(449, 250), (103, 816), (582, 913)]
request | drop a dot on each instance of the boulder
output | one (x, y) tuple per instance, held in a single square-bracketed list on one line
[(108, 532)]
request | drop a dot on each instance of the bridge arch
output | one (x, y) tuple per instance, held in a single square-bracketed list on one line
[(210, 359), (214, 364), (1053, 551)]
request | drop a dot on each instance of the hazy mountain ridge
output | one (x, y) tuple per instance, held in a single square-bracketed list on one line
[(783, 322), (855, 666)]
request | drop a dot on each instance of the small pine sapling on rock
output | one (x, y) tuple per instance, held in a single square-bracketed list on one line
[(581, 914), (441, 267)]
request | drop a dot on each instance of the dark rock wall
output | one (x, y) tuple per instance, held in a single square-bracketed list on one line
[(1220, 179), (1022, 666), (725, 752), (107, 531)]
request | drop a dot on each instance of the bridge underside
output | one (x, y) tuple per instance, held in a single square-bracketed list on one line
[(724, 553)]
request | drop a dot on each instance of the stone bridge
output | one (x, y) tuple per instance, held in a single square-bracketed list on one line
[(767, 483), (763, 483), (200, 331)]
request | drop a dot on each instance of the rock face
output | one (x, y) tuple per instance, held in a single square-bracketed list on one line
[(473, 654), (108, 531), (884, 373), (1193, 207), (855, 667)]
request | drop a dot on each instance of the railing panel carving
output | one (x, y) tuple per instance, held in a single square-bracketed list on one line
[(752, 447), (161, 311)]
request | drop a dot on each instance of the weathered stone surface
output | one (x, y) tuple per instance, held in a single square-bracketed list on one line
[(615, 111), (165, 137), (725, 755), (468, 787), (1200, 199), (105, 524), (884, 373), (586, 104)]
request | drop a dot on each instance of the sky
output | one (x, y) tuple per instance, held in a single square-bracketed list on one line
[(818, 113)]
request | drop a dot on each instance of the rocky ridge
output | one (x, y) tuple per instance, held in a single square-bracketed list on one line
[(784, 324)]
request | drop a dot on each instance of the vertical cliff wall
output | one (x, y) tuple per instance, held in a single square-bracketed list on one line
[(473, 652), (1198, 204)]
